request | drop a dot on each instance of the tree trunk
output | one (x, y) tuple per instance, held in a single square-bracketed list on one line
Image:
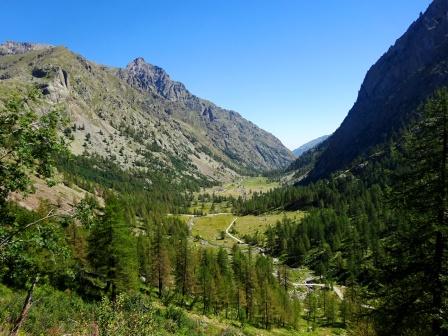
[(25, 309)]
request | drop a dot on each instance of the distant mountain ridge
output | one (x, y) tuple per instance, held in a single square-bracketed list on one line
[(392, 91), (13, 48), (237, 137), (309, 145), (139, 117)]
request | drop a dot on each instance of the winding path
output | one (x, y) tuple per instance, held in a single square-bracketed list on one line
[(231, 235)]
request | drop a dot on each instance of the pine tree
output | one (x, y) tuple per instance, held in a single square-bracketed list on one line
[(184, 270), (225, 289), (331, 308), (206, 279), (283, 295), (248, 283), (265, 286), (112, 250), (415, 270), (160, 261), (237, 264)]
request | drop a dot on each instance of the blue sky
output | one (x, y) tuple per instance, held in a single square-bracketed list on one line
[(293, 67)]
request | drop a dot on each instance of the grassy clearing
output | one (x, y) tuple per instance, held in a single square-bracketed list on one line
[(210, 228), (244, 187), (250, 225)]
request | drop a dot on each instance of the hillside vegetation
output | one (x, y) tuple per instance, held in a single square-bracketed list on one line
[(129, 206)]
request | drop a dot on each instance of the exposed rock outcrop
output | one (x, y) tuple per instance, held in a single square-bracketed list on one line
[(392, 90), (139, 118), (240, 139)]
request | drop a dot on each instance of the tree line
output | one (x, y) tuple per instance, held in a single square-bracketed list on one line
[(380, 227)]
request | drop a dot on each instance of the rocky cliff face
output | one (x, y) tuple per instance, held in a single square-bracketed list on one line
[(238, 138), (151, 78), (392, 90), (140, 118)]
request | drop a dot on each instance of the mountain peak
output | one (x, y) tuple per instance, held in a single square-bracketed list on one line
[(138, 61), (151, 78)]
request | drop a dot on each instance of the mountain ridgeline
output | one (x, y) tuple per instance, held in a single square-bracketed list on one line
[(136, 232), (309, 145), (139, 118), (238, 138), (392, 92)]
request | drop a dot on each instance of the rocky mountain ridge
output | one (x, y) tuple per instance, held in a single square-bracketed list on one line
[(228, 130), (392, 91), (139, 117)]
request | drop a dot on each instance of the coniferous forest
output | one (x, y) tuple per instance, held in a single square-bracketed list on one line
[(141, 221)]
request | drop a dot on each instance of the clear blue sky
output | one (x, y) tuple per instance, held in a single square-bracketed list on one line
[(293, 67)]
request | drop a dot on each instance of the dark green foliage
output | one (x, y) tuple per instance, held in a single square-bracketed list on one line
[(380, 228), (142, 192), (112, 250), (414, 269), (40, 250)]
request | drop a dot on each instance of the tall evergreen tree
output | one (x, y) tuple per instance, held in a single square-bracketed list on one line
[(225, 289), (265, 286), (112, 250), (184, 270), (237, 267), (160, 261), (415, 269), (206, 279)]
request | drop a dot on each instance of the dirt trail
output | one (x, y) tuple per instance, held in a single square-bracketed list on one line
[(231, 235)]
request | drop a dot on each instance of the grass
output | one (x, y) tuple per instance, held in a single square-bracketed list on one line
[(210, 228), (244, 187), (249, 225)]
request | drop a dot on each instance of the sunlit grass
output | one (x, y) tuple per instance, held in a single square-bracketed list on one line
[(249, 225), (211, 228), (244, 187)]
